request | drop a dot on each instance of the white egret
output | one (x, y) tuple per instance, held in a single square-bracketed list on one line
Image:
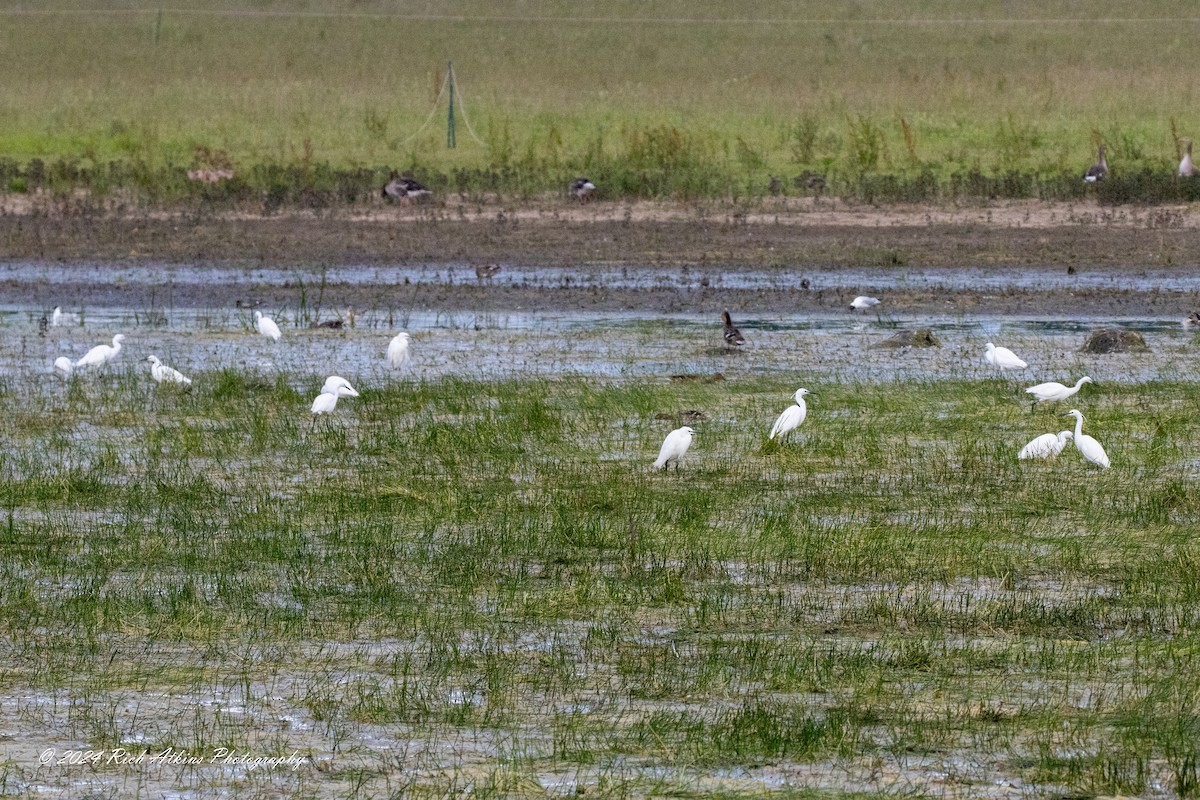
[(102, 354), (732, 335), (266, 326), (1048, 445), (862, 302), (63, 365), (60, 317), (791, 417), (1088, 447), (1003, 358), (673, 447), (1051, 390), (339, 386), (397, 351), (164, 374)]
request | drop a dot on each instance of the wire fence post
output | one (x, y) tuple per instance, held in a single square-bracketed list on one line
[(450, 140), (158, 26)]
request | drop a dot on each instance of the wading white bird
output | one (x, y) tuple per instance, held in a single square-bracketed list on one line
[(102, 354), (791, 417), (1003, 358), (60, 317), (325, 402), (164, 374), (397, 352), (673, 447), (862, 302), (1048, 445), (339, 386), (63, 365), (266, 326), (1088, 447), (1052, 390)]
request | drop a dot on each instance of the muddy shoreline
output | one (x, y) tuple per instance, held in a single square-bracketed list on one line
[(808, 241)]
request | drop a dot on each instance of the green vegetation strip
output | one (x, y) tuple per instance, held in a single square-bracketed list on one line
[(486, 575)]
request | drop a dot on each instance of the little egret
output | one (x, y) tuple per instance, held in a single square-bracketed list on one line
[(60, 317), (1099, 170), (862, 302), (162, 373), (673, 447), (63, 365), (732, 335), (1046, 392), (1048, 445), (1088, 447), (339, 386), (791, 417), (101, 354), (1003, 358), (397, 351), (266, 326)]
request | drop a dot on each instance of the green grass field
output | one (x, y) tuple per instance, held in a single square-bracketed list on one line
[(476, 585), (681, 99)]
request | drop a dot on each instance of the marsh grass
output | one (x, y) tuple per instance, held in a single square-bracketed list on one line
[(310, 108), (491, 570)]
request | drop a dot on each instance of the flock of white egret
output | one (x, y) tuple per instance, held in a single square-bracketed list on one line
[(1045, 446)]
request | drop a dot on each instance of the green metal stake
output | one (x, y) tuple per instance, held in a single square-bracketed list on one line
[(450, 142)]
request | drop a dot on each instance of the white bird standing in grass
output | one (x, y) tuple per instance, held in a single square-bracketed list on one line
[(101, 354), (1088, 447), (266, 326), (60, 317), (1051, 390), (397, 351), (164, 374), (862, 302), (339, 386), (63, 365), (1048, 445), (1003, 358), (791, 417), (673, 447)]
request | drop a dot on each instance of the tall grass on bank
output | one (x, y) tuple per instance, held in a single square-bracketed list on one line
[(481, 583), (314, 104)]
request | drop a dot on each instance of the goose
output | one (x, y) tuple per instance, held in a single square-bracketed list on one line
[(733, 336), (486, 271), (582, 188), (1186, 168), (404, 188), (1099, 170)]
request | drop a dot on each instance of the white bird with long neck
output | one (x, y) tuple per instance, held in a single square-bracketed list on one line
[(101, 354), (1048, 445), (1003, 358), (1087, 446), (673, 447), (791, 417), (1052, 390), (266, 326), (337, 385), (164, 374), (397, 351)]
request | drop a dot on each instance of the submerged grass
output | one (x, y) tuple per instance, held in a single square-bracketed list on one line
[(308, 104), (480, 585)]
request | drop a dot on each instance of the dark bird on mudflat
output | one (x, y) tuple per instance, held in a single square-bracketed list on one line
[(733, 336)]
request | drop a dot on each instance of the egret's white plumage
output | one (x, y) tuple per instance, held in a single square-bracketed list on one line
[(1048, 445), (862, 302), (673, 447), (325, 402), (1003, 358), (791, 417), (1056, 391), (339, 386), (397, 351), (63, 365), (164, 374), (102, 354), (60, 317), (1088, 447), (266, 326)]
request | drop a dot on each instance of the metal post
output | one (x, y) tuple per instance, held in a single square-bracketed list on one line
[(450, 142), (158, 26)]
